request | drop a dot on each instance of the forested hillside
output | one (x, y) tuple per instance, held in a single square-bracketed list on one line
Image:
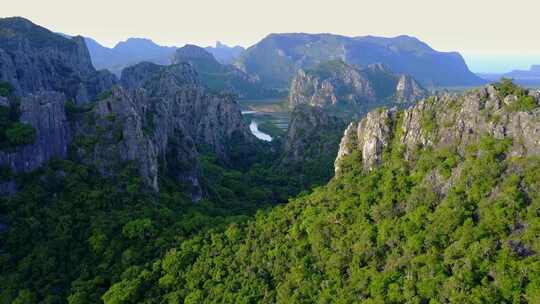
[(153, 188), (436, 225), (424, 223)]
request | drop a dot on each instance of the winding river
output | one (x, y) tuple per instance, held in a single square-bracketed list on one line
[(259, 111), (254, 127)]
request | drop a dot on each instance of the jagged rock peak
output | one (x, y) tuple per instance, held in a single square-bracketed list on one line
[(408, 89), (370, 136), (448, 121), (140, 74), (335, 83), (163, 116), (35, 59), (329, 84)]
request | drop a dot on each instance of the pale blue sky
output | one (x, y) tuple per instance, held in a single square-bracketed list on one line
[(504, 33)]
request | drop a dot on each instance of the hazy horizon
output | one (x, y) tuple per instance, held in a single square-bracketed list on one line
[(490, 37)]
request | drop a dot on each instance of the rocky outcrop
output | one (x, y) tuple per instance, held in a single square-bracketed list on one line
[(336, 83), (210, 119), (34, 59), (448, 121), (370, 136), (139, 75), (331, 84), (408, 90), (162, 124), (43, 70), (159, 121), (312, 133), (45, 112)]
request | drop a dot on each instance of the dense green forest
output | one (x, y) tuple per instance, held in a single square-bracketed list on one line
[(73, 232), (379, 237), (263, 234)]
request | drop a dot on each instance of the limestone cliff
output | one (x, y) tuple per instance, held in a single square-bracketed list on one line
[(41, 70), (449, 121), (44, 111), (159, 120), (34, 59), (335, 84), (162, 123)]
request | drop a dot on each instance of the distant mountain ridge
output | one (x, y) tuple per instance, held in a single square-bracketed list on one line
[(126, 53), (220, 77), (530, 77), (224, 53), (136, 50), (277, 57)]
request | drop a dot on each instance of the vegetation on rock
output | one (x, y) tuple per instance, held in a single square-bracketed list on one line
[(13, 133)]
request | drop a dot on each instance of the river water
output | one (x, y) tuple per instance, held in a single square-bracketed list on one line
[(254, 127), (259, 111)]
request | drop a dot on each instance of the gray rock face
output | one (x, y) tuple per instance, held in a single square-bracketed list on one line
[(45, 70), (370, 136), (113, 133), (139, 75), (348, 87), (45, 112), (175, 93), (4, 102), (445, 122), (161, 125), (159, 122), (311, 133), (407, 89), (336, 83), (34, 59)]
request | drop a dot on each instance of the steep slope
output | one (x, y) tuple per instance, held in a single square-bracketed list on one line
[(452, 224), (49, 137), (335, 84), (39, 72), (310, 145), (447, 122), (309, 134), (276, 58), (219, 77), (161, 120), (34, 59)]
